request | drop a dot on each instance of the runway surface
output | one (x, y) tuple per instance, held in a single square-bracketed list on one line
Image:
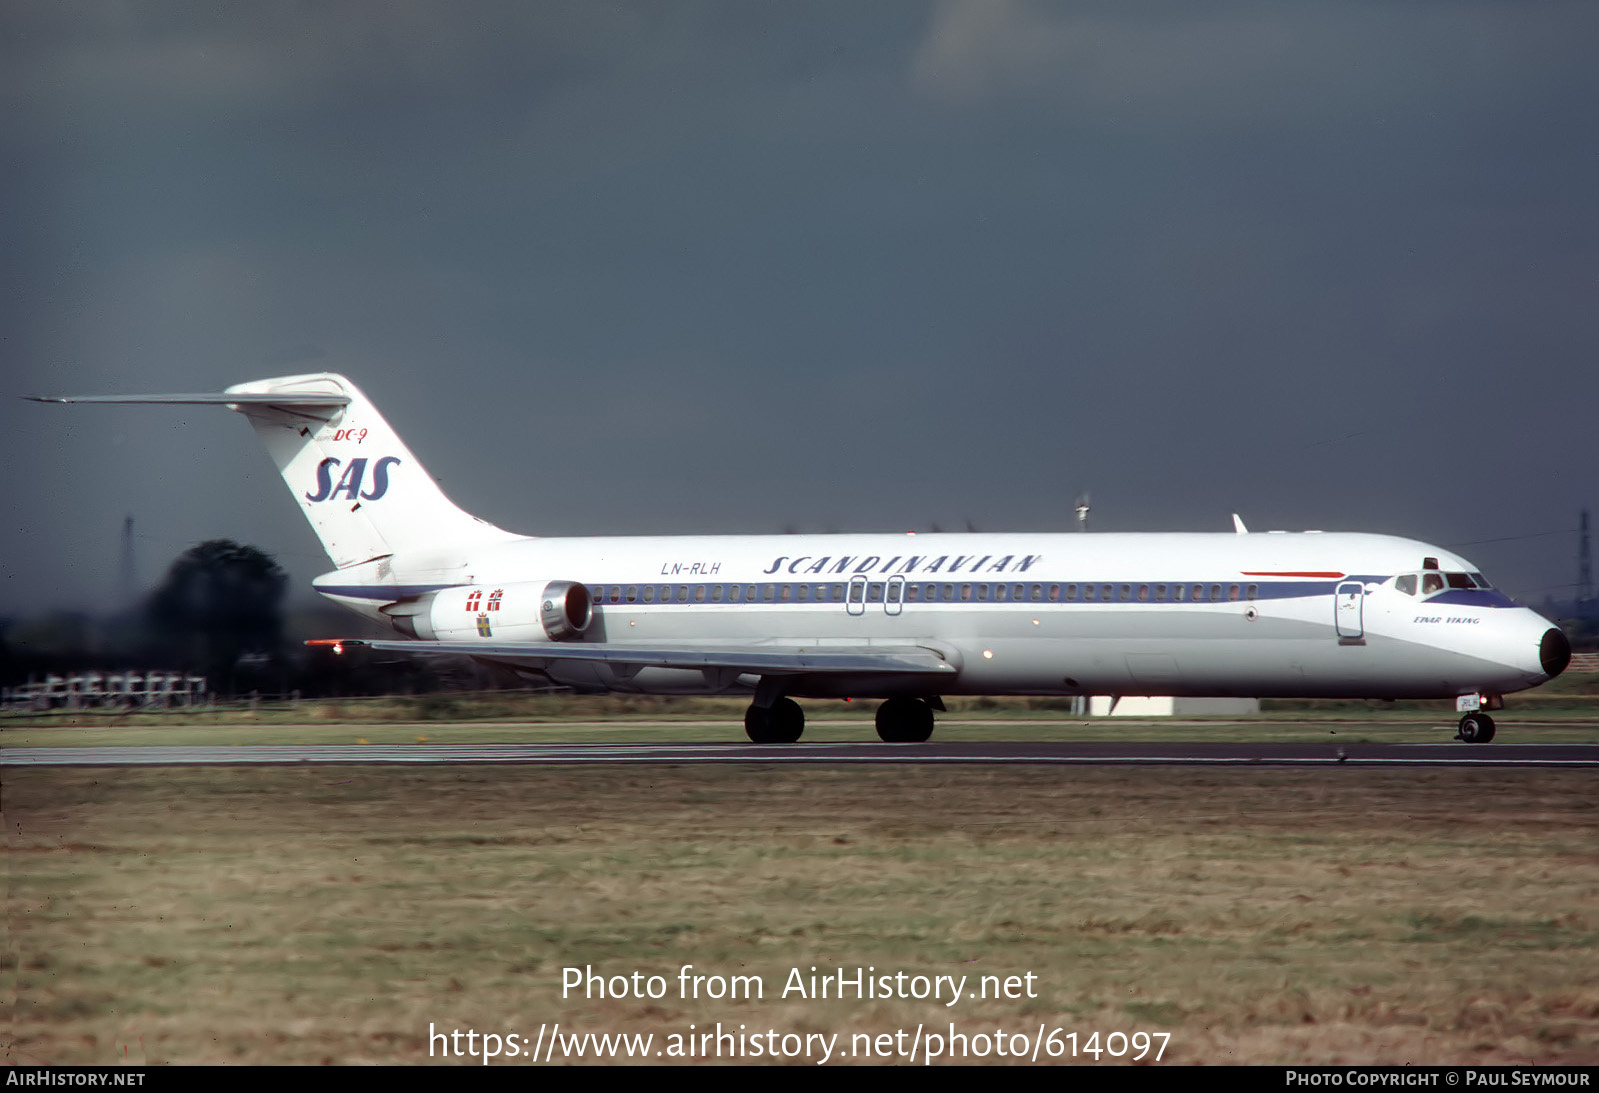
[(1318, 753)]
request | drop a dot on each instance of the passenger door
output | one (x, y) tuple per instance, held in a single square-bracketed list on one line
[(1348, 610)]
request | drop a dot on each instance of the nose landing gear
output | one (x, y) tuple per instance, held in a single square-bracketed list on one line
[(1476, 728)]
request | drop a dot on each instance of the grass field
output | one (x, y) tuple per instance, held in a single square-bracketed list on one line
[(304, 915)]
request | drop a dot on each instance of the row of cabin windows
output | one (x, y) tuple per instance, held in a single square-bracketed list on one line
[(894, 591)]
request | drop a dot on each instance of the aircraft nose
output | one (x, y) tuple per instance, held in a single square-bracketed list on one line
[(1554, 652)]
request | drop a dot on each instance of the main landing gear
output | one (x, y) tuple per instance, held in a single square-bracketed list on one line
[(1476, 728), (899, 721), (904, 721), (780, 723)]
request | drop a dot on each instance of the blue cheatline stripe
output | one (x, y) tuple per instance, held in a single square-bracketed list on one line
[(1473, 597), (983, 592)]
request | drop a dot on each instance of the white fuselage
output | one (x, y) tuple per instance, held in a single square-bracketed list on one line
[(1274, 614)]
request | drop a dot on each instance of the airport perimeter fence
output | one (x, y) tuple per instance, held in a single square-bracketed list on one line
[(108, 690), (112, 694)]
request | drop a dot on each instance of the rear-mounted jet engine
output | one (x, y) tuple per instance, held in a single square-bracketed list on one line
[(526, 611)]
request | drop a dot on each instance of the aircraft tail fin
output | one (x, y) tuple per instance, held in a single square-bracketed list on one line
[(360, 488)]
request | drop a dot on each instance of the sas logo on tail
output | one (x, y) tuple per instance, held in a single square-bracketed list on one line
[(350, 482)]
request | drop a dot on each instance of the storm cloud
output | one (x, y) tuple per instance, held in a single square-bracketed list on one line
[(706, 267)]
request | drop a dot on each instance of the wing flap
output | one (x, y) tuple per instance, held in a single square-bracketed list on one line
[(755, 659)]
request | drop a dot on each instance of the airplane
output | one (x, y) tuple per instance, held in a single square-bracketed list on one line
[(905, 618)]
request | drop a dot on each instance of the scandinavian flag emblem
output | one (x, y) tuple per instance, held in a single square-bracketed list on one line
[(474, 600), (494, 599)]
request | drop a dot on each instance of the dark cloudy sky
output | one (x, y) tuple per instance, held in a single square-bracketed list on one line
[(679, 267)]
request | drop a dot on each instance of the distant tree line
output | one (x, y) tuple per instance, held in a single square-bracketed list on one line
[(219, 612)]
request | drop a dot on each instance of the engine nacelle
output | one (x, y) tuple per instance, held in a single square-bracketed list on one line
[(526, 611)]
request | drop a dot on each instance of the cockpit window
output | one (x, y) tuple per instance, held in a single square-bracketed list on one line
[(1432, 581)]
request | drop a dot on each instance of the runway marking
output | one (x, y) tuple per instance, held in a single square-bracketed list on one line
[(853, 753)]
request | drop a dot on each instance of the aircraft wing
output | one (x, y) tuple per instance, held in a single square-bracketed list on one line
[(755, 659)]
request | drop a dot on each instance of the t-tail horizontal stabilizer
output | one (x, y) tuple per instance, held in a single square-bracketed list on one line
[(355, 481), (213, 398)]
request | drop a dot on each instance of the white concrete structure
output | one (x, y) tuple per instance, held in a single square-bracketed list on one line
[(1166, 706)]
